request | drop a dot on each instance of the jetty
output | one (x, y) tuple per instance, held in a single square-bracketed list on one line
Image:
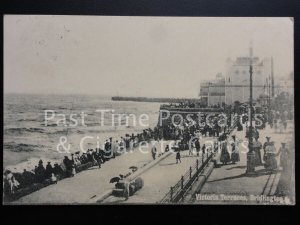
[(160, 100)]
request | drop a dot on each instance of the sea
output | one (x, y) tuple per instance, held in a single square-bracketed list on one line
[(34, 125)]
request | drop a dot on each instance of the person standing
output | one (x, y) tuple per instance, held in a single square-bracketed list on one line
[(48, 171), (191, 147), (267, 143), (216, 146), (178, 156), (98, 157), (235, 154), (197, 146), (271, 162), (284, 156), (153, 151), (257, 146), (203, 149), (167, 148), (225, 157)]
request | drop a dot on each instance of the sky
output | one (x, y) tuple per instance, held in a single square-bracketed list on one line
[(134, 56)]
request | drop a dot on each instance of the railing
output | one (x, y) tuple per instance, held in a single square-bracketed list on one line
[(177, 191)]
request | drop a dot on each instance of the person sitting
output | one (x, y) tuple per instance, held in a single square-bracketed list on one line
[(28, 178), (58, 171), (53, 179), (12, 182)]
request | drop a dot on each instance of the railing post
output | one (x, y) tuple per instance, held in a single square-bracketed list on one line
[(190, 172), (181, 182), (197, 163), (202, 158), (171, 199), (207, 155)]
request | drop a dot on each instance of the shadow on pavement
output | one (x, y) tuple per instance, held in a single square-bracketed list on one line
[(236, 167), (258, 173), (167, 164)]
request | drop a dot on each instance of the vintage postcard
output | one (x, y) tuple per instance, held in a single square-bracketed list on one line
[(148, 110)]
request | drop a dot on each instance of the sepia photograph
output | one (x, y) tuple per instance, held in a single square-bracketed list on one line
[(127, 110)]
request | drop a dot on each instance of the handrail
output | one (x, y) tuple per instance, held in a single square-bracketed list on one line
[(177, 191)]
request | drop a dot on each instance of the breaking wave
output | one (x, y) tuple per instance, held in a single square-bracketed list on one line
[(22, 130), (21, 147)]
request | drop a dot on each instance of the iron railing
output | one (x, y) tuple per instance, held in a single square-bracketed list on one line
[(177, 191)]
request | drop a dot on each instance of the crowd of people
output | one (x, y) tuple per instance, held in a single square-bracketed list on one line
[(265, 155), (74, 163), (192, 104), (190, 128)]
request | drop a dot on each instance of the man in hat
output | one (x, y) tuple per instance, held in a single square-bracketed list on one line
[(267, 143), (284, 156)]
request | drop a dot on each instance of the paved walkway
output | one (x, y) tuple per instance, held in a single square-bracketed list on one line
[(86, 184), (159, 179), (228, 184)]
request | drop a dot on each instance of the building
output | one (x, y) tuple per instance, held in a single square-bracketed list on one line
[(235, 85), (212, 92), (285, 84), (237, 78)]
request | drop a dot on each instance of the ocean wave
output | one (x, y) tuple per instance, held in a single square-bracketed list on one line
[(49, 125), (80, 132), (21, 147), (60, 132), (29, 120), (22, 130)]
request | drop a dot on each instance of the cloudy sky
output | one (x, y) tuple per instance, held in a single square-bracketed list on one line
[(134, 56)]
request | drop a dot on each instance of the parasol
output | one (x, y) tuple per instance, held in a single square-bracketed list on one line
[(133, 168), (114, 179)]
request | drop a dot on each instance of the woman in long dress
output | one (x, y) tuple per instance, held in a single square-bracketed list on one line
[(257, 146), (271, 162), (284, 156), (235, 155), (225, 157)]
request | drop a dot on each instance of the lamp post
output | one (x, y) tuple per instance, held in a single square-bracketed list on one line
[(251, 154)]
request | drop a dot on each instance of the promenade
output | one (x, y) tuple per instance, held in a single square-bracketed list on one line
[(229, 184), (159, 179), (84, 186), (88, 183)]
